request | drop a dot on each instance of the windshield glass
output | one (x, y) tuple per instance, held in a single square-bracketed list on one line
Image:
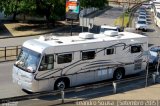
[(142, 17), (155, 49), (28, 60), (141, 22), (107, 29)]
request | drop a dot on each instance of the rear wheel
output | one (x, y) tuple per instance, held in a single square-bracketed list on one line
[(145, 30), (118, 74), (155, 66)]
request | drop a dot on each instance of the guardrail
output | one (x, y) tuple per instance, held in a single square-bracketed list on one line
[(9, 53), (75, 89)]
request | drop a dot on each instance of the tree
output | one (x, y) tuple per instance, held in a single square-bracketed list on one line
[(93, 3), (51, 9), (15, 7), (9, 7)]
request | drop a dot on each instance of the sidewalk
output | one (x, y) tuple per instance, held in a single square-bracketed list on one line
[(143, 96)]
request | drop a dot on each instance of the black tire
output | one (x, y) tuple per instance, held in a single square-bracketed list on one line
[(60, 85), (118, 74), (155, 66), (145, 30)]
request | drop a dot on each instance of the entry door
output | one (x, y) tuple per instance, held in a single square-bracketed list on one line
[(136, 52)]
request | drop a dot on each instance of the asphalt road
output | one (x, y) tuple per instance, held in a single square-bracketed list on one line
[(7, 88), (109, 16)]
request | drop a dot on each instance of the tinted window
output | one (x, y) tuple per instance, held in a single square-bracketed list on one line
[(86, 55), (47, 63), (142, 17), (158, 15), (141, 22), (64, 58), (110, 51), (135, 49)]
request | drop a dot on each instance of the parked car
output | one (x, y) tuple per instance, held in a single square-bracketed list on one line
[(142, 25), (142, 18), (141, 9), (146, 5), (104, 28), (153, 57), (142, 13)]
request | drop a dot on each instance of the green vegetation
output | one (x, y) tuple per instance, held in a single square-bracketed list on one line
[(119, 21), (93, 3), (51, 9)]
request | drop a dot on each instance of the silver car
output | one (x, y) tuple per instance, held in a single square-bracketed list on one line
[(154, 57), (142, 25), (142, 18)]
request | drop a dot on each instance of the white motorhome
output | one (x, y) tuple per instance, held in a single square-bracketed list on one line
[(61, 62)]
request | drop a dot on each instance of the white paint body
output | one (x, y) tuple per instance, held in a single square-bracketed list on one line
[(81, 71)]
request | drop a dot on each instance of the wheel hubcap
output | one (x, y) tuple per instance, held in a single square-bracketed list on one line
[(119, 75), (61, 85)]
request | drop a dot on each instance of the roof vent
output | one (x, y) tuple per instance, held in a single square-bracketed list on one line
[(46, 38), (86, 35), (42, 38), (111, 33)]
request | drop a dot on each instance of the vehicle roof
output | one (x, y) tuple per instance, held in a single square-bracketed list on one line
[(142, 20), (142, 15), (40, 45)]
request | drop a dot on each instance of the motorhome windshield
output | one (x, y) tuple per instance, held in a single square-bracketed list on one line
[(28, 60)]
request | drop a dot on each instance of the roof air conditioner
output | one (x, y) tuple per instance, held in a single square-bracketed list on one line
[(111, 33), (86, 35)]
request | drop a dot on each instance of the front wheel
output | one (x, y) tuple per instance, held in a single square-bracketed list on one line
[(145, 30), (118, 74), (60, 85)]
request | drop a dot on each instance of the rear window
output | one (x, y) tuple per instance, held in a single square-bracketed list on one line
[(141, 22), (142, 17)]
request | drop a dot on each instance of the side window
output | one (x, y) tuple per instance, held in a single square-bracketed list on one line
[(64, 58), (110, 51), (135, 49), (47, 63), (87, 55)]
